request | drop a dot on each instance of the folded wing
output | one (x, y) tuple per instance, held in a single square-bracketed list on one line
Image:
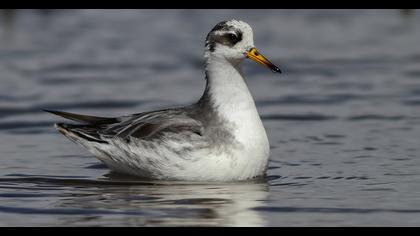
[(146, 125)]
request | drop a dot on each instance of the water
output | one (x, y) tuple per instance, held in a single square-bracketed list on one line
[(343, 119)]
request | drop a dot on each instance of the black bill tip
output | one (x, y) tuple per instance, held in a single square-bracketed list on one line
[(275, 69)]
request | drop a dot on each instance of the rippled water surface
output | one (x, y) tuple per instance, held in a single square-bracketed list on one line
[(343, 119)]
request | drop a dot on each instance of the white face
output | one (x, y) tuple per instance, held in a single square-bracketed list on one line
[(230, 39)]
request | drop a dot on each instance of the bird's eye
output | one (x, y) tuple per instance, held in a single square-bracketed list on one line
[(233, 38)]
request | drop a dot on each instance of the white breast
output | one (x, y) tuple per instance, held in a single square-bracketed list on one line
[(235, 103)]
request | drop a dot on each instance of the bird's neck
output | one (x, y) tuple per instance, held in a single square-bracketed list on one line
[(226, 89), (227, 97)]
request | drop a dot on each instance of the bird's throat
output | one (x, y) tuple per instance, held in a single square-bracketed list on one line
[(226, 88)]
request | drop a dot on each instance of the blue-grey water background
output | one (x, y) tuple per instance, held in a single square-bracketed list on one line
[(343, 119)]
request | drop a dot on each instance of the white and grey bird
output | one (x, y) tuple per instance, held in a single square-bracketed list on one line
[(218, 138)]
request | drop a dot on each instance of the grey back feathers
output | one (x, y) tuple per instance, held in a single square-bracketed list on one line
[(150, 125)]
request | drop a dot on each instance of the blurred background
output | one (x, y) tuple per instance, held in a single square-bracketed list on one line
[(343, 119)]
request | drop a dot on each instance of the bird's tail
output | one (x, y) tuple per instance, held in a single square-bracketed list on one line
[(85, 131)]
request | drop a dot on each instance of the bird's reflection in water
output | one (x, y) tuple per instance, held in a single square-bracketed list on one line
[(128, 202)]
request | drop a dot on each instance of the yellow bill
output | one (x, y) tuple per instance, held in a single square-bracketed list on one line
[(254, 55)]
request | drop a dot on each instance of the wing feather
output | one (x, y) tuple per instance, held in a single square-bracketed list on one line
[(151, 124), (146, 125)]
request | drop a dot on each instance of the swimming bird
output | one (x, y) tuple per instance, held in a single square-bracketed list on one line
[(218, 138)]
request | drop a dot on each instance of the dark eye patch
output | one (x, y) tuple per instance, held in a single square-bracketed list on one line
[(234, 38), (228, 38)]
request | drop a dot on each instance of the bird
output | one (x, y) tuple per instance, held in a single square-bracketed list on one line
[(218, 138)]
